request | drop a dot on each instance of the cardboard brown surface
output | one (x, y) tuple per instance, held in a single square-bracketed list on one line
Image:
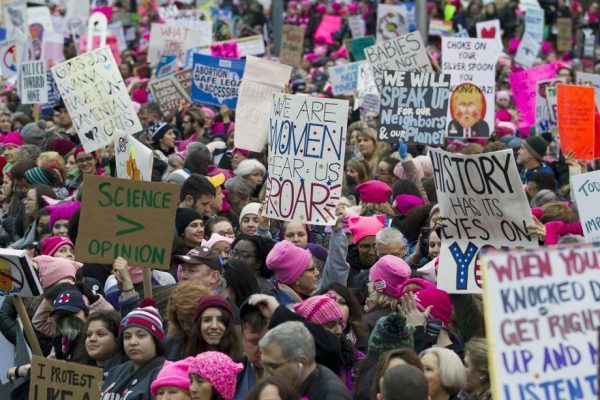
[(292, 45), (57, 379)]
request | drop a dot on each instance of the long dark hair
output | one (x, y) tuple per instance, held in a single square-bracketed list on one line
[(241, 280), (263, 246), (230, 342), (111, 320), (355, 319)]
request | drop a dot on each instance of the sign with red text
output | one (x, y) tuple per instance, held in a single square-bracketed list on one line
[(482, 203), (542, 312), (307, 137)]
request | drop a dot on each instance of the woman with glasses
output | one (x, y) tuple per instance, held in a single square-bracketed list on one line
[(252, 250), (87, 164)]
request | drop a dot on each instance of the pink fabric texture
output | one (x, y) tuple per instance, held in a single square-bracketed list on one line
[(388, 274), (53, 269), (174, 374), (320, 309), (365, 226), (219, 370), (51, 244), (374, 192), (288, 261)]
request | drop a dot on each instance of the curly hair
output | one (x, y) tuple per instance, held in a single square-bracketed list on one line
[(182, 304)]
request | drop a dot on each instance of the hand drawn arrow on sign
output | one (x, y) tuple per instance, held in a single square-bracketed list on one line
[(135, 226)]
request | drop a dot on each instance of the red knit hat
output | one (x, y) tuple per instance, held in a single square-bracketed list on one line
[(51, 244), (213, 300), (374, 192)]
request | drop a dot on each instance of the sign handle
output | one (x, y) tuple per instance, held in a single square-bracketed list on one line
[(36, 350), (147, 282), (97, 25)]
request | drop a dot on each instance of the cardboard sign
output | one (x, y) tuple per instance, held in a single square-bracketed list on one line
[(57, 379), (586, 79), (541, 318), (357, 26), (184, 77), (391, 22), (96, 97), (134, 161), (490, 30), (167, 64), (564, 39), (262, 78), (356, 47), (111, 41), (216, 80), (404, 53), (17, 275), (129, 219), (367, 94), (545, 117), (53, 94), (528, 50), (307, 140), (32, 82), (168, 93), (482, 202), (343, 78), (576, 117), (523, 85), (413, 107), (292, 45), (172, 39), (329, 25), (471, 64), (534, 23), (586, 188)]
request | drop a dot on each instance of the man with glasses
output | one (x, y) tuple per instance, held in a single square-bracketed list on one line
[(288, 352)]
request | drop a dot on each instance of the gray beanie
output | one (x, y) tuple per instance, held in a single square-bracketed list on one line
[(34, 133), (542, 197)]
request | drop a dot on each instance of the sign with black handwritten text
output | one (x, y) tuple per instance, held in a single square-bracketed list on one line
[(482, 203), (542, 313), (413, 107), (96, 98), (343, 78), (33, 87), (586, 188), (404, 53), (307, 137), (57, 379), (545, 117)]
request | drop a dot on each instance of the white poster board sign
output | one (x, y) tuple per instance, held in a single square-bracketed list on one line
[(33, 87), (134, 160)]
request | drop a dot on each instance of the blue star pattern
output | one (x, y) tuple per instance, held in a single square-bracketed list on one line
[(462, 263)]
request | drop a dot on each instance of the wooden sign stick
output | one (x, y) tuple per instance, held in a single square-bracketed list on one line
[(36, 350), (147, 282)]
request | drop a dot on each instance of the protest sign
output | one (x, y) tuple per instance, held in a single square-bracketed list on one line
[(292, 45), (17, 275), (95, 95), (8, 59), (168, 93), (116, 29), (262, 78), (367, 93), (32, 82), (545, 117), (57, 379), (40, 15), (129, 219), (587, 79), (490, 30), (167, 64), (413, 107), (564, 38), (357, 26), (534, 23), (589, 40), (52, 48), (53, 94), (248, 46), (482, 201), (134, 161), (307, 140), (576, 120), (184, 77), (527, 51), (226, 50), (471, 64), (172, 39), (439, 27), (586, 188), (216, 80), (404, 53), (523, 85), (542, 312), (356, 47), (15, 15), (391, 22), (343, 78), (552, 104), (329, 25)]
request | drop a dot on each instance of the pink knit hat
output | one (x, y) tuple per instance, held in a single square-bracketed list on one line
[(53, 269), (374, 192), (209, 112), (62, 211), (219, 370), (216, 238), (427, 294), (365, 226), (503, 116), (405, 203), (12, 139), (173, 374), (51, 244), (388, 274), (288, 261), (320, 309)]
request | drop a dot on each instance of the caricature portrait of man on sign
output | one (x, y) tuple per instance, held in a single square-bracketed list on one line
[(468, 107)]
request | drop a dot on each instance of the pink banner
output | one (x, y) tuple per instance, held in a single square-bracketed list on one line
[(111, 41), (524, 85), (226, 50), (329, 25)]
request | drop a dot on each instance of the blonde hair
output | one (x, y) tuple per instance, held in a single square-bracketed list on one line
[(365, 131), (182, 304), (51, 159), (376, 209), (468, 93), (453, 376), (381, 299)]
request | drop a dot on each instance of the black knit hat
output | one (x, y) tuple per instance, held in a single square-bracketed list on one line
[(536, 146), (184, 217)]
